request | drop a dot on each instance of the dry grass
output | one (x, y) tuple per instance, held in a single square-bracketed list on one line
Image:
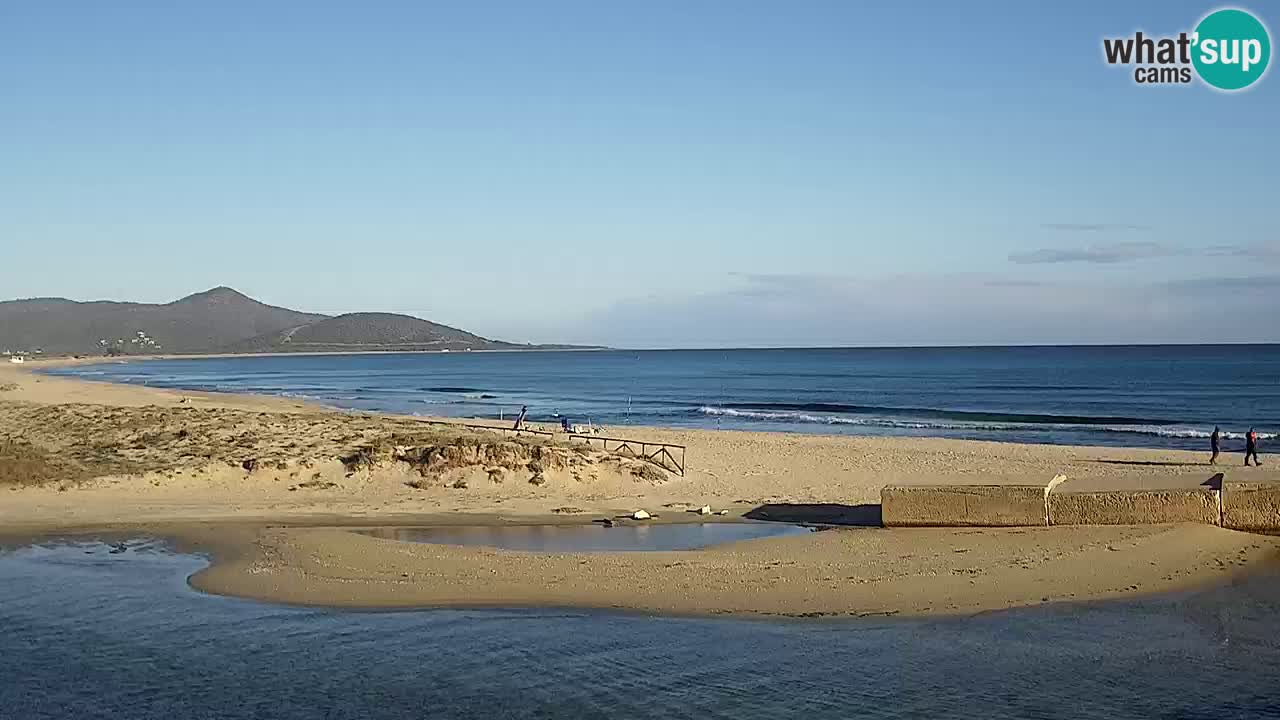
[(124, 440), (648, 473), (22, 463), (74, 442)]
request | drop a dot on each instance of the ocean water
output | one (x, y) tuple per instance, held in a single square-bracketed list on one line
[(85, 633), (1161, 396)]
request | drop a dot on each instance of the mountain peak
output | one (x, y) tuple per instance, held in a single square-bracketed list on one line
[(221, 293), (203, 322), (220, 319)]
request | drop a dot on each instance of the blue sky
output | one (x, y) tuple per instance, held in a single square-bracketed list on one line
[(655, 173)]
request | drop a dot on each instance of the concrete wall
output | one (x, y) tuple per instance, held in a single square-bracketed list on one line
[(1134, 507), (963, 505), (1251, 506)]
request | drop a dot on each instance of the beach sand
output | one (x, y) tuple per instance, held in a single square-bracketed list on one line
[(227, 472), (835, 573)]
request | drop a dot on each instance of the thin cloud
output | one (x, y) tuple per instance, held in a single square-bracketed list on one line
[(1095, 227), (954, 309), (1097, 254), (1261, 251), (1015, 283), (1268, 284)]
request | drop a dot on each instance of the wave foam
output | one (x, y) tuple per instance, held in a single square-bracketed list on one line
[(1169, 431), (862, 421), (968, 416), (1183, 432)]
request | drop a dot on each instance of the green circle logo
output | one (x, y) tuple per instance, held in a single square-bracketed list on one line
[(1232, 49)]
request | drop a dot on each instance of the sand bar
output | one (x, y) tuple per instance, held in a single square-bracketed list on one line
[(837, 573)]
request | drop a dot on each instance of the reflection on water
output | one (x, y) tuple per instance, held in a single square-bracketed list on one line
[(89, 634), (591, 538)]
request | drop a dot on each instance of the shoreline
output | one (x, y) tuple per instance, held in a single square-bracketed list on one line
[(1085, 465), (71, 360), (309, 566), (313, 568), (315, 404), (274, 521)]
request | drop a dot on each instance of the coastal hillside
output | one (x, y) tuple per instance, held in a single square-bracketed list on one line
[(220, 320), (369, 332), (203, 322)]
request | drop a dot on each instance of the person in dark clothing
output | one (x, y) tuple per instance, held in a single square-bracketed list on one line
[(1215, 445), (520, 420), (1251, 448)]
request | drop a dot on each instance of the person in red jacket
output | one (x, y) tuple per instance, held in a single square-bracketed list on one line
[(1251, 448)]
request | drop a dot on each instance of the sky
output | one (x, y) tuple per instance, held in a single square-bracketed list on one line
[(690, 173)]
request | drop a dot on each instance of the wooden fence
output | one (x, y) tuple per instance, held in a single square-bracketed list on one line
[(495, 428), (660, 454)]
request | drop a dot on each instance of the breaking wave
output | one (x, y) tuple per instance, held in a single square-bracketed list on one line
[(931, 414), (1013, 424), (1184, 432), (800, 417)]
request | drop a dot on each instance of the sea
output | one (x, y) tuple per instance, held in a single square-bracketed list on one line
[(88, 631), (91, 629), (1133, 396)]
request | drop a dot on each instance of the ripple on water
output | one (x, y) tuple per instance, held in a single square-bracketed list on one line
[(88, 633)]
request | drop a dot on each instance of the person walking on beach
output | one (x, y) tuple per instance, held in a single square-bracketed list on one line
[(1215, 445), (520, 420), (1251, 448)]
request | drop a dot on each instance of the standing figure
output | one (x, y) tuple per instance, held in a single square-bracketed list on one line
[(1251, 448), (1215, 445), (520, 419)]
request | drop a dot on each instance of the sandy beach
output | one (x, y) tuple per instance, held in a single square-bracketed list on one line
[(268, 484)]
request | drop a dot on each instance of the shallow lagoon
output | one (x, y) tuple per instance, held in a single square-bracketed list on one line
[(592, 538), (88, 633)]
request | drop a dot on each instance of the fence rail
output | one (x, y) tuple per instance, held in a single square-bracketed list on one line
[(495, 428), (661, 454)]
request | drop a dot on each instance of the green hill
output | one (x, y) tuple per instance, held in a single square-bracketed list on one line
[(203, 322), (369, 332), (217, 321)]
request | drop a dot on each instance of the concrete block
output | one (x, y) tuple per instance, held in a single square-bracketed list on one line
[(963, 505), (1134, 507), (1253, 506)]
